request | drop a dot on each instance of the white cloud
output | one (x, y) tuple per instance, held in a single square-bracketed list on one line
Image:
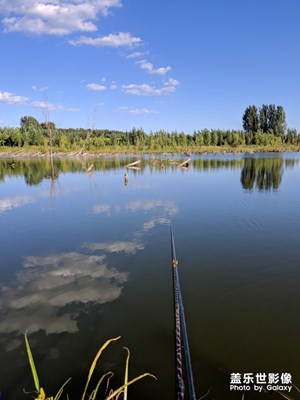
[(148, 90), (95, 87), (11, 98), (137, 111), (140, 90), (124, 39), (56, 17), (44, 105), (171, 82), (137, 54), (151, 70), (39, 89)]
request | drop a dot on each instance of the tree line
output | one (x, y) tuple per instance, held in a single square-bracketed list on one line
[(264, 126)]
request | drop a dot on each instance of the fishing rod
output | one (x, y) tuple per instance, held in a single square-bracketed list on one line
[(181, 337)]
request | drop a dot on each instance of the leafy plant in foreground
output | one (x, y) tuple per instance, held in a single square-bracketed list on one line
[(113, 394)]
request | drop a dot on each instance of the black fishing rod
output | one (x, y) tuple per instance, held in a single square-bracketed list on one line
[(181, 337)]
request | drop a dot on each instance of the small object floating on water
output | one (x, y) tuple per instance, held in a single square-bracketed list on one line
[(89, 169), (184, 163), (132, 164), (126, 179)]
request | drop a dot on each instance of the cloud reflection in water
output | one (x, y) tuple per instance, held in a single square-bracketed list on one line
[(147, 226), (116, 247), (9, 203), (147, 205), (47, 291), (101, 208), (46, 285)]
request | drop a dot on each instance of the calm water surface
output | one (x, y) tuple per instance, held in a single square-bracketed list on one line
[(85, 258)]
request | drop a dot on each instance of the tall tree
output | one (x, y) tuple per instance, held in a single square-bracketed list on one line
[(272, 119), (206, 137), (280, 122), (264, 118), (250, 119), (31, 131)]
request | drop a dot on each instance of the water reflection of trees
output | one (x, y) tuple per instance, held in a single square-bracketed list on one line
[(34, 170), (215, 163), (262, 173)]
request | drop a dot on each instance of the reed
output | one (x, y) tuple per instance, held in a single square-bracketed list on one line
[(89, 392)]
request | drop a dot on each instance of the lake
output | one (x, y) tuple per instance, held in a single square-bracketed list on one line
[(85, 257)]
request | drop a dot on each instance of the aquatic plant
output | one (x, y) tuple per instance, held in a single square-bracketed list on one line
[(93, 392)]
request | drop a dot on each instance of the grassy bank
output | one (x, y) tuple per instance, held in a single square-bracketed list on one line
[(41, 151)]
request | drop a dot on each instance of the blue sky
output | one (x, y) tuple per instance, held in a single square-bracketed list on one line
[(155, 64)]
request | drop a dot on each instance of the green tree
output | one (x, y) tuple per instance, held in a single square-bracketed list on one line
[(3, 137), (235, 139), (182, 139), (229, 138), (249, 138), (292, 136), (198, 138), (221, 140), (264, 118), (280, 122), (206, 137), (250, 119), (137, 137), (272, 119), (214, 138), (31, 131)]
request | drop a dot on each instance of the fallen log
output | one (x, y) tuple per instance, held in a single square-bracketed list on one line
[(89, 169), (133, 164), (135, 168), (184, 163)]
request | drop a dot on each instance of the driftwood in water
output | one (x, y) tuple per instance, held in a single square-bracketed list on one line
[(89, 169), (133, 164), (135, 168), (126, 179), (184, 163)]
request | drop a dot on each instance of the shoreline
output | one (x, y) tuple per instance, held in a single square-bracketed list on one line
[(38, 153)]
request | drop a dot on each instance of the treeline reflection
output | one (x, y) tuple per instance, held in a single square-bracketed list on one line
[(35, 170), (263, 173)]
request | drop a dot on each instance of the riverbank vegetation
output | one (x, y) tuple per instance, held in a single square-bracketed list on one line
[(265, 129), (93, 384)]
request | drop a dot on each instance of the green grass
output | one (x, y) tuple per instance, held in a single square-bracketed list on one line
[(41, 151), (89, 392)]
